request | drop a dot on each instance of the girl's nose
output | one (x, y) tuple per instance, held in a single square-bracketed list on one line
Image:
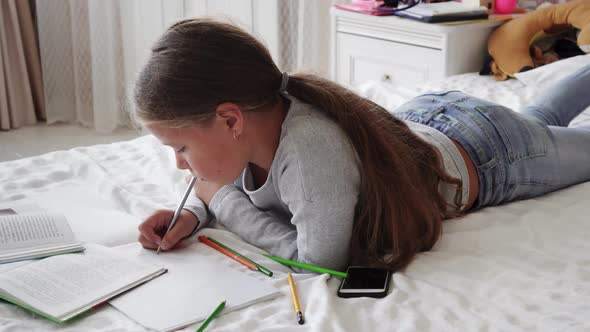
[(181, 162)]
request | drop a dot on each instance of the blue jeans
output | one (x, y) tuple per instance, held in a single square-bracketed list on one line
[(516, 155)]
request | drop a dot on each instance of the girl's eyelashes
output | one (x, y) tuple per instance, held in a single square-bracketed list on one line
[(181, 150)]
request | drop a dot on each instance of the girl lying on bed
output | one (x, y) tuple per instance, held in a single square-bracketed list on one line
[(307, 170)]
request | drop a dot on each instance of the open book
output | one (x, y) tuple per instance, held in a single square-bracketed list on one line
[(34, 235), (61, 287)]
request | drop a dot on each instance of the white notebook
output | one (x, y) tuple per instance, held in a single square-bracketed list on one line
[(197, 281), (34, 235)]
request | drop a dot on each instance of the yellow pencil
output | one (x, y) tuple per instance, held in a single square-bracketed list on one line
[(295, 300)]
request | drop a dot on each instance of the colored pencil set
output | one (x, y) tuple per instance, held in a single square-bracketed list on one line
[(257, 267)]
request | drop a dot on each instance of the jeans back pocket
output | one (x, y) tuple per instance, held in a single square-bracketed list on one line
[(522, 136)]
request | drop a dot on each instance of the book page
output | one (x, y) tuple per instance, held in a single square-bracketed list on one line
[(60, 284), (19, 207), (31, 230), (6, 211), (198, 279)]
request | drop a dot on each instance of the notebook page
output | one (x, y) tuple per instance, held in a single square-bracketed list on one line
[(61, 284), (196, 282), (33, 230)]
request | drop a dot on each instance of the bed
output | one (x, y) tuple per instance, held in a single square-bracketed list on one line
[(521, 266)]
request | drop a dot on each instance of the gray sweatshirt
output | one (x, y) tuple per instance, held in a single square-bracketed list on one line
[(305, 209)]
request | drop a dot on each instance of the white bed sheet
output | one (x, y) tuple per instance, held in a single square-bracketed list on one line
[(521, 266)]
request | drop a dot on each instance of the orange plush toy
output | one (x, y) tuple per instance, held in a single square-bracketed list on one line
[(509, 45)]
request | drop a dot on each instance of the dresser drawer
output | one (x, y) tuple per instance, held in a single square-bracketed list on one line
[(360, 59)]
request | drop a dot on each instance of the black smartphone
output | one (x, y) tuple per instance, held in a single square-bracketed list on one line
[(365, 282)]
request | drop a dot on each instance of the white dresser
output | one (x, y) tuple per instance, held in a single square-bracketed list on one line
[(401, 51)]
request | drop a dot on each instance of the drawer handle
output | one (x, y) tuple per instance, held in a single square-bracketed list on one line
[(386, 78)]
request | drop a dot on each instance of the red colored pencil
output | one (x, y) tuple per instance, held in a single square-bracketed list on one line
[(227, 253)]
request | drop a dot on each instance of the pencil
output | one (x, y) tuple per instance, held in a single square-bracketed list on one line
[(295, 300), (237, 258), (307, 266), (211, 317), (261, 268), (178, 209)]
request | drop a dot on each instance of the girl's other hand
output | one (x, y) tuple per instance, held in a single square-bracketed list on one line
[(154, 227)]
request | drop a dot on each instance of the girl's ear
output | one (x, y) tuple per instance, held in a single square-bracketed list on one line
[(231, 116)]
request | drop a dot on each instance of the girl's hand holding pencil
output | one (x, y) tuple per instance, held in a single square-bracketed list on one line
[(154, 227)]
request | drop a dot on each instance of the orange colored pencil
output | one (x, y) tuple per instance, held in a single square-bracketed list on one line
[(227, 253)]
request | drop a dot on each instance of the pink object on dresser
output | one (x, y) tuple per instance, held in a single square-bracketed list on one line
[(505, 6)]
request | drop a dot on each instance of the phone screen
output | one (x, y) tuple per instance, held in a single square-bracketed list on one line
[(361, 278)]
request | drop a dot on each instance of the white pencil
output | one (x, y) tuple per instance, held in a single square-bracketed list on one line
[(179, 209)]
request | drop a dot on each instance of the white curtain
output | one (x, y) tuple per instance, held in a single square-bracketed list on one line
[(91, 50), (89, 59), (305, 35), (65, 42)]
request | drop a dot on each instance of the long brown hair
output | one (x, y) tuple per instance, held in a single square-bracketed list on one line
[(200, 63)]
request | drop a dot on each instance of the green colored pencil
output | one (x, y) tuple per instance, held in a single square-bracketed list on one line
[(211, 317), (307, 266), (260, 268)]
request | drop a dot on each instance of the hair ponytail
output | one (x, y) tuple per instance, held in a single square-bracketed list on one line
[(400, 210)]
